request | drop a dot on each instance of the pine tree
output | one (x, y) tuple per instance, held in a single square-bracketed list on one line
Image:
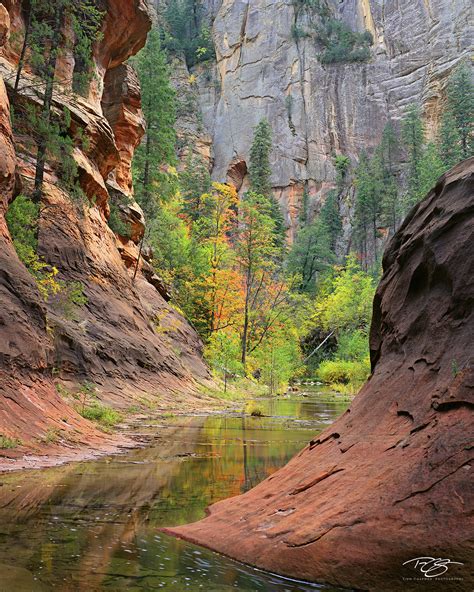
[(310, 254), (461, 106), (388, 184), (43, 43), (259, 168), (255, 252), (412, 136), (194, 181), (154, 179), (260, 177), (450, 140), (362, 211), (431, 168), (331, 219)]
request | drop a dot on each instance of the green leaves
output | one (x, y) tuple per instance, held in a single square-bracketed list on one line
[(154, 174)]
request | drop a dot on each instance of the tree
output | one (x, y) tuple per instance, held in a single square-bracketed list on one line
[(460, 92), (194, 182), (279, 358), (154, 160), (342, 164), (431, 168), (260, 177), (412, 136), (345, 303), (43, 43), (223, 351), (310, 254), (255, 251), (187, 31), (368, 207), (331, 219), (450, 140), (219, 288)]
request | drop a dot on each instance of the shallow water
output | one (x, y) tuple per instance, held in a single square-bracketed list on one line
[(94, 526)]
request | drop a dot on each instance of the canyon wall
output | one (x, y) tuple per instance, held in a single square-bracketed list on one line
[(390, 480), (316, 110), (126, 339)]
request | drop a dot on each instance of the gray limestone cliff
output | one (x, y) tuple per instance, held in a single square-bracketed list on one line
[(264, 69)]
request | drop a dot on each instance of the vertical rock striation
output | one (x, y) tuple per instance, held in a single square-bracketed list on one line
[(265, 69)]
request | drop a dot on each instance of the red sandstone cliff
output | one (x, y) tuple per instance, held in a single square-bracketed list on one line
[(127, 340), (391, 480)]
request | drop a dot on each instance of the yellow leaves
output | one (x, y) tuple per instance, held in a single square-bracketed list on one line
[(44, 274), (192, 79)]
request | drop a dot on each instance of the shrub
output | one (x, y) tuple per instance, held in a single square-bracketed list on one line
[(341, 44), (105, 416), (115, 222), (344, 371), (251, 408), (7, 442), (51, 436)]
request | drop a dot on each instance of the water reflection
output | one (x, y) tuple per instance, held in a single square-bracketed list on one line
[(94, 526)]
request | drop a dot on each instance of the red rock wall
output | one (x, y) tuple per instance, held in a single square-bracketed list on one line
[(126, 339), (390, 480)]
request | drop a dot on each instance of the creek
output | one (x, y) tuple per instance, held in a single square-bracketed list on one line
[(95, 526)]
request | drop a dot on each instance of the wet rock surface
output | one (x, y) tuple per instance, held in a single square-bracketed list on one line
[(390, 480)]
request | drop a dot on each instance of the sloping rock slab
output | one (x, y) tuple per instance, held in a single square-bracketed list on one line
[(389, 481)]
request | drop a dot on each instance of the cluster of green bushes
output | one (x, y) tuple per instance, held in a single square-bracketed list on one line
[(104, 416), (343, 308), (6, 442), (341, 44), (22, 221)]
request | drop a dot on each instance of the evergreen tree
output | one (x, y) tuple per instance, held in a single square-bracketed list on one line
[(342, 164), (310, 254), (368, 207), (194, 182), (331, 219), (259, 168), (155, 179), (450, 140), (431, 168), (260, 177), (461, 106), (43, 43), (255, 252), (412, 136), (388, 151)]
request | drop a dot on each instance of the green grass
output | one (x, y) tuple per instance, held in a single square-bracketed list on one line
[(104, 416), (51, 436), (7, 442)]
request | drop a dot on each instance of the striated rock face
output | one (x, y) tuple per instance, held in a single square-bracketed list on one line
[(121, 103), (125, 339), (319, 110), (29, 403), (390, 480)]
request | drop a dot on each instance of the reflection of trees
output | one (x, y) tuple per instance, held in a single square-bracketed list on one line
[(106, 503), (112, 505)]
